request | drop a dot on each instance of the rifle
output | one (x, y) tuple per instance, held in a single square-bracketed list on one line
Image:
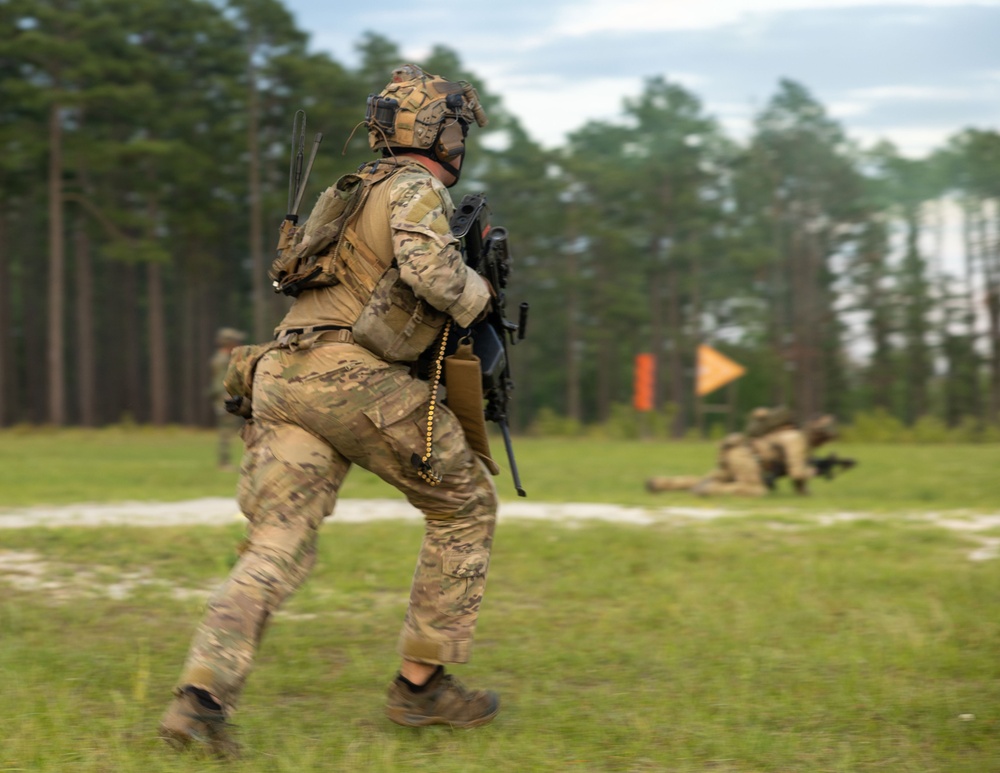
[(827, 466), (485, 249)]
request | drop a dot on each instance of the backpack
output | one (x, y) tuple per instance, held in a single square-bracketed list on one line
[(307, 254)]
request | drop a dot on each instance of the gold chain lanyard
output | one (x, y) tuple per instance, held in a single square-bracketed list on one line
[(423, 465)]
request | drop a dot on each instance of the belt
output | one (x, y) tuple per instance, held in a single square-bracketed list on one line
[(292, 338)]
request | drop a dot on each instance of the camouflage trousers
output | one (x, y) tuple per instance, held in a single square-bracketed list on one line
[(227, 427), (316, 412), (737, 473)]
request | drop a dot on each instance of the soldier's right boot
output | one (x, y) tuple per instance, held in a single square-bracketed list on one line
[(441, 701), (194, 717)]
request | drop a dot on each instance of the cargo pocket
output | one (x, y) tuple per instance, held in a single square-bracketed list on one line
[(401, 420), (466, 576), (246, 498)]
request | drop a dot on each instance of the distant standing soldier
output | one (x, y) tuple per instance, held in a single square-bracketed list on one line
[(227, 425)]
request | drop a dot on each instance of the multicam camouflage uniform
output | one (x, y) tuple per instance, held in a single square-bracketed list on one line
[(322, 403), (737, 473), (784, 449), (227, 425)]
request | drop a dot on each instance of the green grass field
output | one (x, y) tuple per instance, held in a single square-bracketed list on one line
[(783, 637)]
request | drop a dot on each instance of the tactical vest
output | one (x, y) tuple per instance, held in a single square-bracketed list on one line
[(393, 324)]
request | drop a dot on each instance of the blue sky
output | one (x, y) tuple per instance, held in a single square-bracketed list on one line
[(911, 71)]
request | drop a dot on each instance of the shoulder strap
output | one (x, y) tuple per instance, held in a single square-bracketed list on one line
[(361, 276)]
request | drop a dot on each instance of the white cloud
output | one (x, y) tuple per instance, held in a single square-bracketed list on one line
[(909, 141), (911, 93), (550, 107), (592, 16), (848, 108)]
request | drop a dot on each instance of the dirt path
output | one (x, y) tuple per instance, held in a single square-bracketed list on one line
[(221, 510), (32, 571)]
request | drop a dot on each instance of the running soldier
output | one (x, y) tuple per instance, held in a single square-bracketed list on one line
[(336, 388)]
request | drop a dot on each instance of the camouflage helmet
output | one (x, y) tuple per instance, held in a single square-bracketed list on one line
[(757, 422), (777, 418), (416, 108), (821, 430), (229, 336)]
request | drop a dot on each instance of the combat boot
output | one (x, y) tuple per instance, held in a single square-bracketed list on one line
[(194, 717), (441, 701)]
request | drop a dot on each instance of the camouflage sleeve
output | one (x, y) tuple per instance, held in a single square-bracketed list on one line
[(796, 452), (427, 253)]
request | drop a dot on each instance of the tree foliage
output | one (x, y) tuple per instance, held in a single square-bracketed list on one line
[(145, 150)]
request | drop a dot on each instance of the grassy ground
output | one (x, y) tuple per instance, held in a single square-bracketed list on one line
[(772, 641), (71, 466)]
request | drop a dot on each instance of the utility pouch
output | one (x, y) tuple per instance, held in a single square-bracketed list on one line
[(307, 254), (394, 324), (238, 381), (463, 378)]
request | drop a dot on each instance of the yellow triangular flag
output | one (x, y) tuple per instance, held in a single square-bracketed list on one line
[(715, 370)]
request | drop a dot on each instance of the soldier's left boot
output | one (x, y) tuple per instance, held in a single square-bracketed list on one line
[(442, 700), (195, 718)]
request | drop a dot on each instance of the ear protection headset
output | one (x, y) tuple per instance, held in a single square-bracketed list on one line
[(450, 142)]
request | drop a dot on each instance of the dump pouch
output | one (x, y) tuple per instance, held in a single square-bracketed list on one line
[(464, 381), (238, 381), (394, 324)]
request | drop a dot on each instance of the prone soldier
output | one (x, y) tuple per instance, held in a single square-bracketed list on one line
[(737, 472), (784, 449), (750, 463)]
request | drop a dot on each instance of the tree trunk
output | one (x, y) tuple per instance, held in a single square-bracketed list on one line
[(35, 395), (6, 391), (918, 366), (574, 344), (56, 284), (134, 405), (989, 242), (816, 326), (656, 338), (677, 345), (204, 347), (605, 344), (799, 330), (189, 391), (158, 386), (779, 318), (85, 354)]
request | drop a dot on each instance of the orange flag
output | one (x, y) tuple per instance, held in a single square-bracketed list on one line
[(715, 370), (642, 398)]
